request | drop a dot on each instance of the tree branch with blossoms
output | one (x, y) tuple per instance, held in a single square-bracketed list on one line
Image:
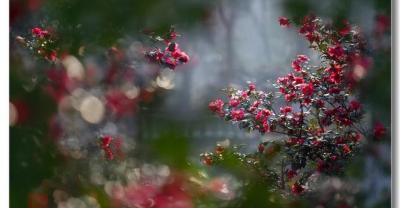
[(317, 123)]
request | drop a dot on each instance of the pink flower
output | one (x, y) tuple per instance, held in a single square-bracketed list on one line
[(256, 103), (284, 22), (244, 95), (282, 80), (234, 102), (302, 58), (262, 115), (336, 51), (307, 89), (298, 80), (184, 58), (172, 46), (237, 115), (286, 109), (265, 127), (52, 56), (252, 87), (217, 106), (289, 97), (296, 66), (39, 32)]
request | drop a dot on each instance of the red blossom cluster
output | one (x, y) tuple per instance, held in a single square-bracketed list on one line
[(41, 43), (172, 56), (320, 118), (39, 32), (284, 22)]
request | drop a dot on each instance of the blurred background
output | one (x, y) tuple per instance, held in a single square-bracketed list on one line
[(59, 111)]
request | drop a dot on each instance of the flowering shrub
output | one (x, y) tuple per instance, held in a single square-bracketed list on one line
[(319, 119)]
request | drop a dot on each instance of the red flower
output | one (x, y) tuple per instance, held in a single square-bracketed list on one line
[(307, 89), (256, 103), (282, 80), (39, 32), (296, 66), (298, 80), (262, 115), (346, 149), (244, 95), (265, 127), (354, 105), (308, 26), (379, 130), (234, 102), (237, 115), (297, 188), (106, 141), (172, 47), (290, 97), (219, 149), (252, 87), (286, 109), (302, 58), (206, 160), (217, 106), (284, 22), (184, 58), (52, 56), (36, 30), (336, 51), (110, 145), (356, 137)]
